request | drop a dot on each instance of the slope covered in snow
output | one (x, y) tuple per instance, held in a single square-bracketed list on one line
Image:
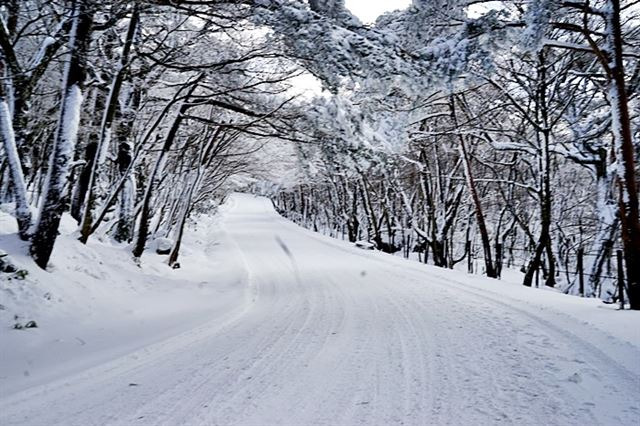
[(94, 304), (268, 323)]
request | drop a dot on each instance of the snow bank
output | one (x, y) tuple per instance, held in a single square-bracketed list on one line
[(94, 304)]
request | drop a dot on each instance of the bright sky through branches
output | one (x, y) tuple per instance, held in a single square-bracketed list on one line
[(369, 10)]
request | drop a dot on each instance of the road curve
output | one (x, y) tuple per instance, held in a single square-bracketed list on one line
[(329, 335)]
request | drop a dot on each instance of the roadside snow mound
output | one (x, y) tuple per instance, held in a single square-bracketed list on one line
[(94, 303)]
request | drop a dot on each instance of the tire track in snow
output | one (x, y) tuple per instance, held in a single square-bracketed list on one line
[(328, 346)]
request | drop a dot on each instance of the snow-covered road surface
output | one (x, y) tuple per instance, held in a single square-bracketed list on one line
[(331, 335)]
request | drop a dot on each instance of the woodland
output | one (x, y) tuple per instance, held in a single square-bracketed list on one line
[(482, 135)]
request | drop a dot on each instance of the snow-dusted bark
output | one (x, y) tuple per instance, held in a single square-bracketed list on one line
[(477, 204), (126, 210), (22, 211), (625, 155), (145, 214), (608, 225), (82, 179), (53, 203), (126, 213), (24, 75), (186, 202), (104, 136), (543, 142)]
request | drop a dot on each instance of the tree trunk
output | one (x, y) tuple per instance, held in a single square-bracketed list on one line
[(106, 125), (175, 250), (124, 227), (22, 211), (608, 223), (628, 188), (544, 170), (482, 227), (82, 184), (145, 214), (46, 231)]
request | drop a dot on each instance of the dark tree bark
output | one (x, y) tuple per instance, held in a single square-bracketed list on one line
[(629, 211), (477, 205), (46, 232), (107, 123), (145, 213), (82, 182), (543, 134), (125, 225)]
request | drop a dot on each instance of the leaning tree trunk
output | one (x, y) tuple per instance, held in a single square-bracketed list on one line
[(106, 125), (477, 205), (175, 250), (128, 174), (52, 206), (145, 214)]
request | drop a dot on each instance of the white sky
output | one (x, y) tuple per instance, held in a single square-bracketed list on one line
[(369, 10)]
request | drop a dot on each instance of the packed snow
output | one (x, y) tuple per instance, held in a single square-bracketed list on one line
[(269, 323)]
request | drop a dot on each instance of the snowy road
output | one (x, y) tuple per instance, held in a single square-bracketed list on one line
[(331, 335)]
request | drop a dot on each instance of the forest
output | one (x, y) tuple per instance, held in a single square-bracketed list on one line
[(482, 135)]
